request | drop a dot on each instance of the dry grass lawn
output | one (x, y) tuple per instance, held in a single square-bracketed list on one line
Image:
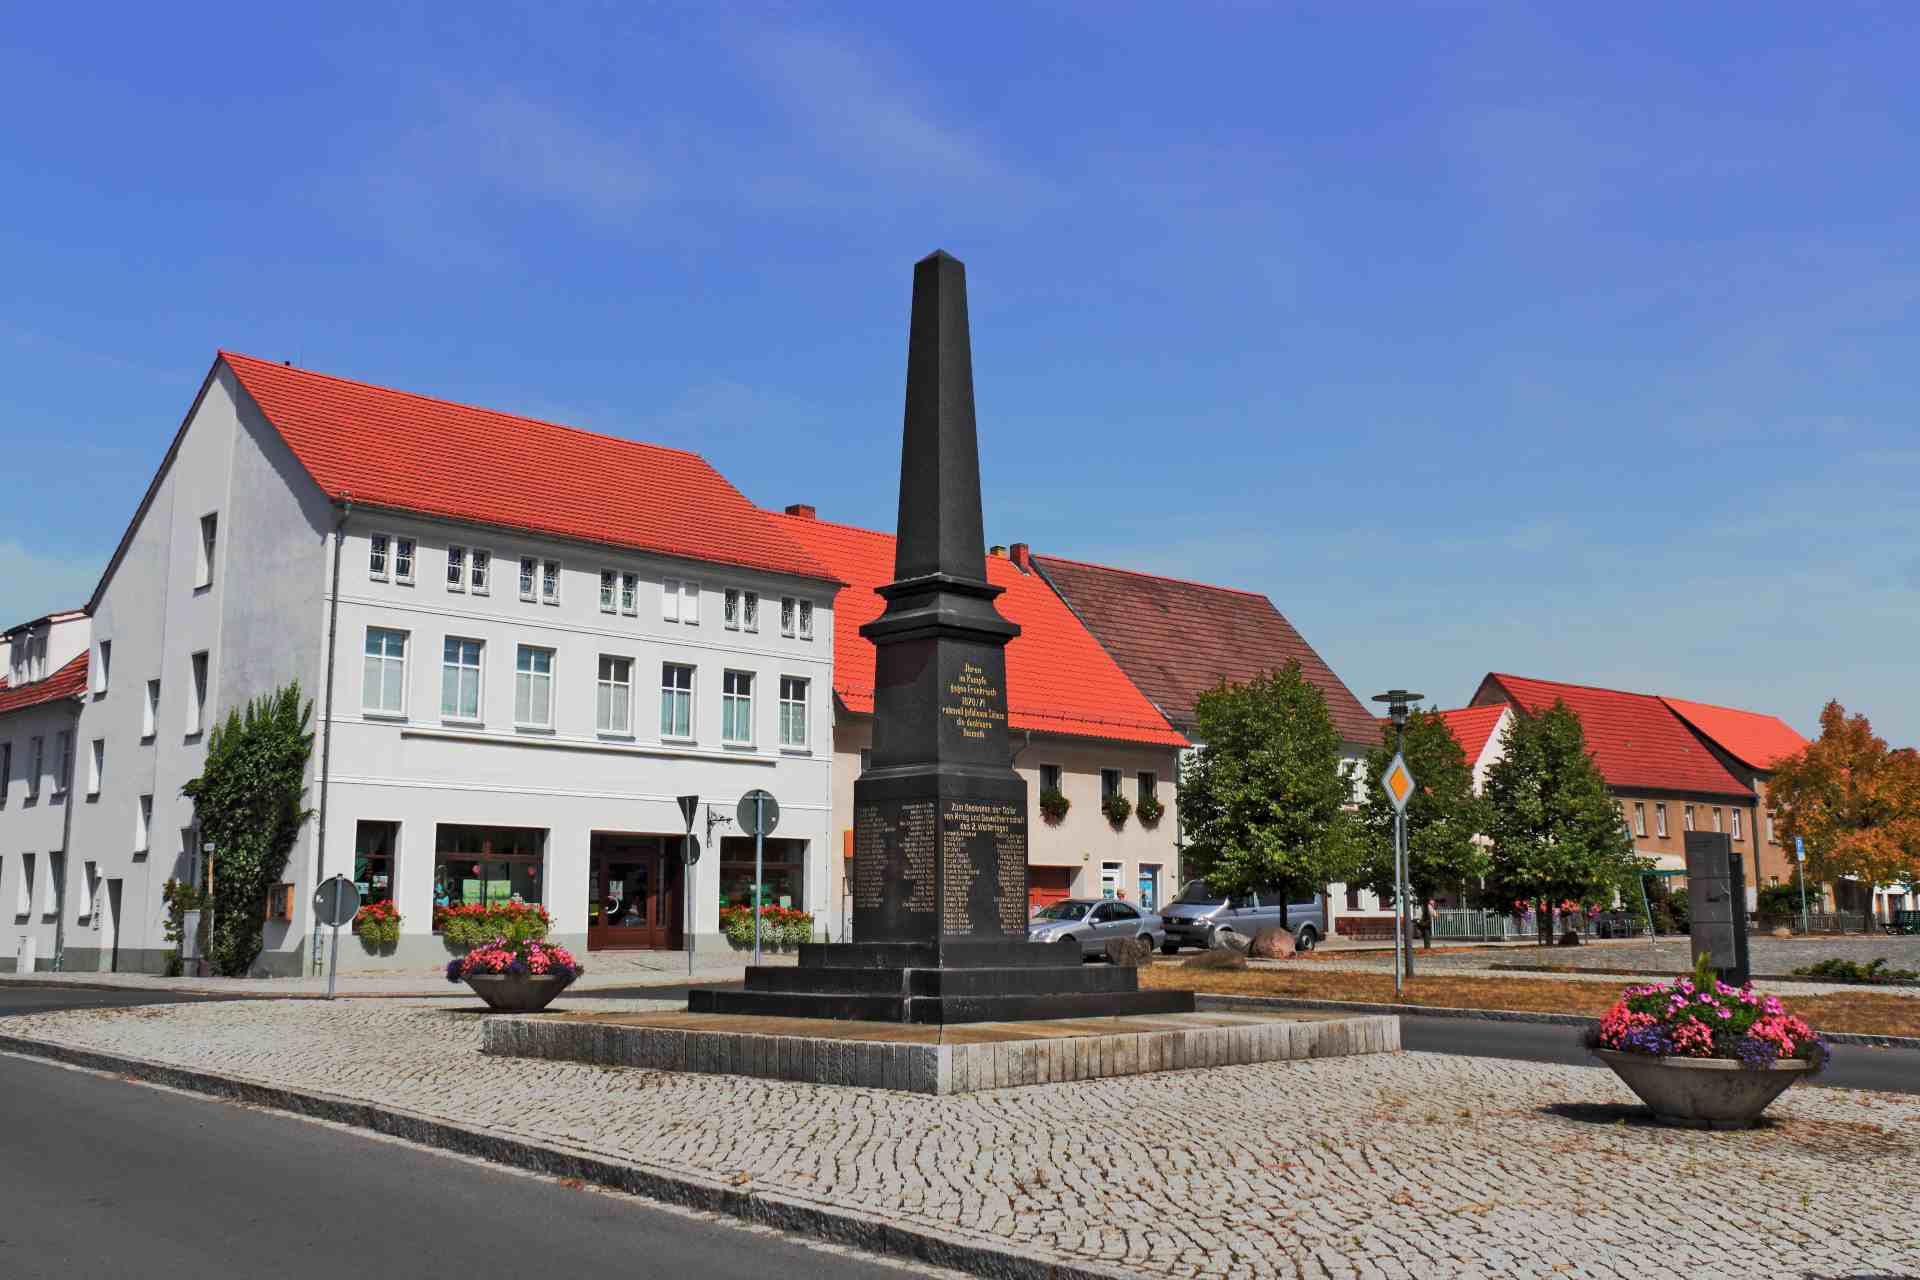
[(1865, 1012)]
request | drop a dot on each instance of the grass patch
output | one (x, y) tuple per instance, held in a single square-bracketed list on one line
[(1859, 1012)]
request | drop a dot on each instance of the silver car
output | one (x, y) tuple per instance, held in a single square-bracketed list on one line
[(1093, 921), (1199, 915)]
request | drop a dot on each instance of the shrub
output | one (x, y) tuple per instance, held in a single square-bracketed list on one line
[(779, 926), (1702, 1017), (180, 898), (524, 957), (478, 923), (1151, 810), (1117, 808), (378, 924), (1054, 804), (1839, 970)]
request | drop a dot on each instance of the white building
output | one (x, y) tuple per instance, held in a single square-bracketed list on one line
[(523, 642), (43, 685)]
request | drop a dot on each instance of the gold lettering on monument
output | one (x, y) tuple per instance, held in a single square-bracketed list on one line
[(973, 704), (894, 848), (979, 840)]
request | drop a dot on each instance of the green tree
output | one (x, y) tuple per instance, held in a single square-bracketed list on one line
[(1556, 830), (247, 801), (1443, 817), (1263, 804)]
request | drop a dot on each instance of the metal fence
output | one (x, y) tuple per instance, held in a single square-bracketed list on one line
[(1494, 926), (1819, 922)]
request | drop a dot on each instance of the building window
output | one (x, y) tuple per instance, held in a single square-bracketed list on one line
[(676, 700), (62, 762), (460, 679), (630, 594), (806, 619), (203, 562), (197, 704), (1716, 817), (90, 880), (529, 576), (549, 582), (375, 848), (1051, 778), (106, 664), (96, 766), (1660, 820), (478, 866), (1736, 823), (750, 610), (730, 609), (736, 707), (1686, 816), (480, 566), (609, 582), (793, 711), (383, 683), (377, 553), (533, 688), (1148, 787), (403, 561), (456, 568), (23, 892), (670, 600), (1109, 784), (866, 759), (6, 771), (783, 873), (1770, 835), (613, 712), (143, 825), (1639, 818), (789, 611), (36, 765), (690, 603)]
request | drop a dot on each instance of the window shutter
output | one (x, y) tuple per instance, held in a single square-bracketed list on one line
[(690, 604), (670, 600)]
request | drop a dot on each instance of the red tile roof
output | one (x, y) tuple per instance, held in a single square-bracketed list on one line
[(1472, 726), (69, 681), (1177, 639), (1059, 679), (1757, 741), (1637, 742), (414, 453)]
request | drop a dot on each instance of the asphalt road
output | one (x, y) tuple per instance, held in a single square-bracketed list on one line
[(17, 999), (102, 1178), (1854, 1066)]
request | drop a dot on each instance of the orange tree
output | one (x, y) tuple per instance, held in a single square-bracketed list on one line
[(1855, 802)]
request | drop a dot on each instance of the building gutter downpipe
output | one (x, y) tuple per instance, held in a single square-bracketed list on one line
[(345, 503)]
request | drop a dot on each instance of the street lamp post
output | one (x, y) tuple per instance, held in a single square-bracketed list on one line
[(1398, 701)]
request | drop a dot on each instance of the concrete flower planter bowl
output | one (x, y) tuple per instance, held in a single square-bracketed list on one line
[(1703, 1093), (510, 993)]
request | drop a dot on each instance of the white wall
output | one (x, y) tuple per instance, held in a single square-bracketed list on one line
[(33, 826)]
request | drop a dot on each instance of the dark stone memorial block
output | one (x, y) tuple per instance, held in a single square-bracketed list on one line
[(940, 817), (1717, 896)]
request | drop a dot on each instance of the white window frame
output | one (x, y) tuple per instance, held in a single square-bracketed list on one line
[(1770, 836), (669, 599), (550, 571), (406, 556), (670, 728), (1056, 775), (90, 882), (1660, 820), (96, 766), (730, 705), (1686, 817), (629, 593), (479, 571), (199, 676), (530, 578), (377, 707), (795, 694), (750, 612), (456, 567), (524, 676), (1734, 829), (460, 666), (379, 556), (143, 824), (36, 764), (806, 618), (1640, 818), (606, 684), (730, 608), (62, 762), (6, 771), (23, 892), (103, 669), (609, 590), (789, 611), (690, 602), (1717, 820), (204, 554)]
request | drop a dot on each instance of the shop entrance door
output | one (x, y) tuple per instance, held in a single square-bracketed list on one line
[(634, 888)]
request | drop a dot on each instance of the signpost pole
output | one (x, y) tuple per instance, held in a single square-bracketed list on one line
[(333, 961), (1800, 872), (1400, 959), (759, 871), (686, 891)]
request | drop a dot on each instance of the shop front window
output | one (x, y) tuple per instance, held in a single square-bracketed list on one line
[(784, 881), (481, 866), (374, 848)]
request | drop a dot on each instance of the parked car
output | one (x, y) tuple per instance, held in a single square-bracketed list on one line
[(1093, 921), (1198, 915)]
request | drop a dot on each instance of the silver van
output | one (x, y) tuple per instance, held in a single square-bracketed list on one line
[(1198, 914)]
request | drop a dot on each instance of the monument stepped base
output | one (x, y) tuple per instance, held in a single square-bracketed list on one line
[(933, 1060), (955, 980)]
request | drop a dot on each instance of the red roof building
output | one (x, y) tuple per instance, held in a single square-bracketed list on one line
[(1756, 740), (1177, 639), (1473, 728), (70, 681)]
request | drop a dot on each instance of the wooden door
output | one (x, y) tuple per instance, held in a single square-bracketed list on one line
[(635, 888)]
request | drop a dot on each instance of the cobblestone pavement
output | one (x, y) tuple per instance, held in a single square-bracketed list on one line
[(1389, 1165)]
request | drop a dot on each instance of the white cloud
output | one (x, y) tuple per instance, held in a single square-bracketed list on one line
[(35, 583)]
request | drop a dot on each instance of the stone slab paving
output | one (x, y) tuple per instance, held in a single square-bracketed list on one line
[(1386, 1165)]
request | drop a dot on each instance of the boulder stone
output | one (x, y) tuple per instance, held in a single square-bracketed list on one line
[(1227, 940), (1131, 952), (1272, 944), (1218, 958), (1781, 931)]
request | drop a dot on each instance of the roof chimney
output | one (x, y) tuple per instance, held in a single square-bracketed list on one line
[(998, 551), (802, 510), (1022, 556)]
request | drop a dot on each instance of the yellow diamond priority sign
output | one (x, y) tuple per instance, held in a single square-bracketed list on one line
[(1397, 781)]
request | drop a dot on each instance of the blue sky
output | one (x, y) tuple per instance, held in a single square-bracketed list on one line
[(1573, 341)]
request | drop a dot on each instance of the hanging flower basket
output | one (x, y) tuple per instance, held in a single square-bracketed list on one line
[(377, 925), (1117, 808), (1054, 805), (1151, 810)]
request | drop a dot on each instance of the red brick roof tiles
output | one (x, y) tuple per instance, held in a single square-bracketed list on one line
[(1637, 741), (1059, 679), (1472, 726), (1756, 740), (414, 453), (68, 682), (1178, 639)]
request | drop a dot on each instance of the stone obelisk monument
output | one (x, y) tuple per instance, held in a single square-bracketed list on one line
[(940, 818)]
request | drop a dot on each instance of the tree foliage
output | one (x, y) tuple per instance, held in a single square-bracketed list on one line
[(1853, 800), (1263, 803), (248, 804), (1443, 815), (1556, 830)]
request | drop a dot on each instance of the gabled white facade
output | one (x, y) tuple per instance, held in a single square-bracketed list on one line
[(42, 774), (224, 589)]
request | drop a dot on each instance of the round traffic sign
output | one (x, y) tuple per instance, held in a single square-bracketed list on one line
[(336, 901), (692, 851), (759, 813)]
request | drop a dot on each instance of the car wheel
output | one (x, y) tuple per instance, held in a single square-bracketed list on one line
[(1169, 948), (1306, 940)]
